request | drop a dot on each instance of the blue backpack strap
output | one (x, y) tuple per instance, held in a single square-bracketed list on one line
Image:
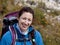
[(13, 32), (32, 37)]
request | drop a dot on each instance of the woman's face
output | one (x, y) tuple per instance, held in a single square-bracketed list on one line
[(25, 21)]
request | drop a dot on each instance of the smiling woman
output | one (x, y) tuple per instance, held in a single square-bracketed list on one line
[(22, 32)]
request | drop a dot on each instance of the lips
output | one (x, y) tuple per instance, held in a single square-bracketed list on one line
[(24, 25)]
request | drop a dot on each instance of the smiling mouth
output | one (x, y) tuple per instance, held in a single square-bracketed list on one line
[(24, 25)]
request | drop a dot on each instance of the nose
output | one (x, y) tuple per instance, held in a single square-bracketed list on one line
[(26, 22)]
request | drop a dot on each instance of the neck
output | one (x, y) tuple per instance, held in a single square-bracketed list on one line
[(24, 32)]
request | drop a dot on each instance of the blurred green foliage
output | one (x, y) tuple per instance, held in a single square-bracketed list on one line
[(50, 33), (39, 18)]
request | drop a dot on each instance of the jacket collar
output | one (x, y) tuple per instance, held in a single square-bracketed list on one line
[(28, 30)]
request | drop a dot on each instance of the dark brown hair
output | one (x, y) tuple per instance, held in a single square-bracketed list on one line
[(26, 9)]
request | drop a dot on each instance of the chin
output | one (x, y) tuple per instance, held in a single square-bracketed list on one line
[(24, 29)]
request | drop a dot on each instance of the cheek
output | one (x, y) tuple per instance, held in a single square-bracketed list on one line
[(30, 23), (19, 22)]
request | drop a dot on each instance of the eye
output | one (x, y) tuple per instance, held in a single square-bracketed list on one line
[(24, 18), (29, 20)]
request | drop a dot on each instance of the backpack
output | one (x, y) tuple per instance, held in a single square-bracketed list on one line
[(9, 19), (14, 32)]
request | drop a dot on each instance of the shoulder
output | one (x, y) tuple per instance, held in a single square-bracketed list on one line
[(38, 38), (37, 33), (7, 35), (6, 38)]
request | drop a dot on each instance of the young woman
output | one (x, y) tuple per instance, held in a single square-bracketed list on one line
[(25, 33)]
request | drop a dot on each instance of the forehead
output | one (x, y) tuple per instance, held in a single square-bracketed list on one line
[(27, 14)]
